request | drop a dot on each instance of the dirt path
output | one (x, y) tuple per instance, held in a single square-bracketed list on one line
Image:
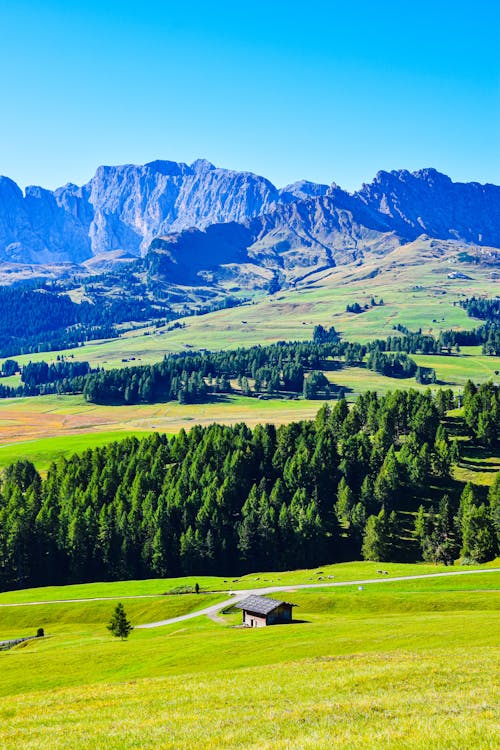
[(237, 596)]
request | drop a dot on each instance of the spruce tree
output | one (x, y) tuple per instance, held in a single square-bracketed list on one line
[(119, 625)]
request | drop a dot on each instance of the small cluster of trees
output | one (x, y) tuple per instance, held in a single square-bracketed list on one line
[(9, 367), (396, 365), (482, 308), (491, 343), (41, 378), (34, 374), (473, 532), (323, 335), (425, 375), (482, 412), (355, 307)]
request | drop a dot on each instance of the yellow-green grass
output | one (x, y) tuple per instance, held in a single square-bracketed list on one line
[(12, 381), (390, 666), (84, 653), (356, 380), (477, 464), (413, 282), (456, 369), (64, 617), (200, 645), (404, 699), (25, 420), (43, 451), (351, 571)]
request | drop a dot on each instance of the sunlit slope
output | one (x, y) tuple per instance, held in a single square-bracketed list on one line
[(386, 666), (413, 281)]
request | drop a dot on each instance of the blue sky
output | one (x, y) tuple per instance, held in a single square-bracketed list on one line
[(328, 91)]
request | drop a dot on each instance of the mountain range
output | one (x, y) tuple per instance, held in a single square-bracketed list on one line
[(199, 224)]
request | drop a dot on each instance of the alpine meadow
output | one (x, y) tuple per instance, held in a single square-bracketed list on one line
[(249, 425)]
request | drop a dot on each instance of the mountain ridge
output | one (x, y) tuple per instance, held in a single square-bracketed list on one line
[(126, 207)]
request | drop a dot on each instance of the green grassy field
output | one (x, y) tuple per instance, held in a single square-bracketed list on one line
[(338, 572), (412, 281), (46, 427), (386, 667), (470, 364), (45, 450)]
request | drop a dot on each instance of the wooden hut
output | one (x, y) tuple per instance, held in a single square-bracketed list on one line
[(259, 611)]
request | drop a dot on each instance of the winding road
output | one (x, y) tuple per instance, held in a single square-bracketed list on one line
[(237, 596)]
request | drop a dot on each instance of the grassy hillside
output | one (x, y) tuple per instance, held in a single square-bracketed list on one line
[(43, 451), (338, 572), (413, 281), (45, 427), (381, 667)]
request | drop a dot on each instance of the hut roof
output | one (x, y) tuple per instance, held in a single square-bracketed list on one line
[(261, 605)]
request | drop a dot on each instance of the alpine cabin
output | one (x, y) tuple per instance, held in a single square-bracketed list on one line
[(259, 611)]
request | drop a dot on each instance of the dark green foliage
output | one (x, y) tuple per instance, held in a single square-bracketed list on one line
[(34, 320), (491, 343), (325, 335), (197, 376), (119, 625), (484, 309), (355, 307), (9, 367), (379, 537), (40, 378), (494, 503), (38, 320), (475, 525), (316, 385), (391, 365), (482, 412), (435, 534), (425, 375), (36, 373), (226, 499)]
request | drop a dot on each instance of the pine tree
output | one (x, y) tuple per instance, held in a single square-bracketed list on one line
[(376, 539), (478, 535), (119, 625), (494, 501)]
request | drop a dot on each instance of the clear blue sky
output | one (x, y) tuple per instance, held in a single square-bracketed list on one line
[(329, 91)]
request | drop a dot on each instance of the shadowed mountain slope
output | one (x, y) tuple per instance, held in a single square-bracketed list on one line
[(123, 209)]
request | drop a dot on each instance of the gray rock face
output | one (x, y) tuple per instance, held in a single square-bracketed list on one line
[(428, 202), (124, 208), (332, 227)]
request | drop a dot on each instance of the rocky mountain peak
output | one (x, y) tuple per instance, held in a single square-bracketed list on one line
[(123, 208)]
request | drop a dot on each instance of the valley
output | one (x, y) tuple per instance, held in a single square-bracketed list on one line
[(249, 376)]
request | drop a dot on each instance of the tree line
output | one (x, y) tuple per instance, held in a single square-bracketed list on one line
[(292, 367), (195, 377), (40, 378), (482, 308), (223, 499), (37, 320)]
